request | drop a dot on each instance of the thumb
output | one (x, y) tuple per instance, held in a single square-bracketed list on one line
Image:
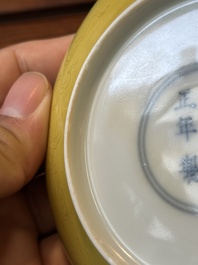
[(24, 120)]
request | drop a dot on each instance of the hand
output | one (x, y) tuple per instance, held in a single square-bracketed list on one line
[(27, 232)]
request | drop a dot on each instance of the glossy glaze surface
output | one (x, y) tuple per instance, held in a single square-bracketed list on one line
[(124, 134)]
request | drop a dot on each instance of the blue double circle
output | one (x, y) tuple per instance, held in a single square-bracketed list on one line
[(164, 194)]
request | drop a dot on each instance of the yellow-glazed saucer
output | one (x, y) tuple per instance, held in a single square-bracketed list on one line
[(122, 160)]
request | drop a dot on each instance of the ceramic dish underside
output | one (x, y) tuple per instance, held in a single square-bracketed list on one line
[(122, 164)]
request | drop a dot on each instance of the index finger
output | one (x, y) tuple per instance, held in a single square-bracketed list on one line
[(44, 56)]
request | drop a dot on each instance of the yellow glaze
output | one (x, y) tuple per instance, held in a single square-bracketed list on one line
[(79, 247)]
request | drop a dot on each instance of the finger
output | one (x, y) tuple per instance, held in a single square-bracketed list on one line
[(38, 203), (18, 240), (44, 56), (52, 251), (19, 244), (24, 120)]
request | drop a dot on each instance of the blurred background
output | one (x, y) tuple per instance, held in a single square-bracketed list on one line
[(23, 20)]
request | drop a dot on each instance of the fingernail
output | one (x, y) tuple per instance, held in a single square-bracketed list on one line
[(25, 95)]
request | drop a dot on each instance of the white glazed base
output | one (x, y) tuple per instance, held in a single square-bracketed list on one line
[(124, 144)]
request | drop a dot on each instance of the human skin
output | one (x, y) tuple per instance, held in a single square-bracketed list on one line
[(28, 234)]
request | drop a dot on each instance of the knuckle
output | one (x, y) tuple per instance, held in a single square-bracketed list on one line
[(11, 151)]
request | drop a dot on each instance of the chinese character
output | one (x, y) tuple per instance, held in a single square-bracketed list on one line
[(189, 168), (184, 100), (186, 127)]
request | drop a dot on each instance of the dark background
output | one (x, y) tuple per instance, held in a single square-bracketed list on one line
[(23, 20)]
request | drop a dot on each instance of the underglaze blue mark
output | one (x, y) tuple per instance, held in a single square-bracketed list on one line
[(184, 100), (189, 168), (186, 127)]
